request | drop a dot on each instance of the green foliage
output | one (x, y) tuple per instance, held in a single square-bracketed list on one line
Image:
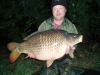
[(23, 67), (20, 18), (87, 56), (85, 15)]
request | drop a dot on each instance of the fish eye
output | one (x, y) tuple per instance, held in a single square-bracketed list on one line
[(74, 35)]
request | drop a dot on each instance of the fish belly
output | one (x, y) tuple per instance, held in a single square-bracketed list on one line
[(46, 46), (53, 51)]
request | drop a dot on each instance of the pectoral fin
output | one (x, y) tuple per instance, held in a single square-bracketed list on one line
[(49, 63), (14, 55), (71, 53)]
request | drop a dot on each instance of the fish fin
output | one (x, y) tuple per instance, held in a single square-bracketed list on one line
[(71, 53), (12, 46), (49, 63), (26, 38), (26, 57), (14, 55)]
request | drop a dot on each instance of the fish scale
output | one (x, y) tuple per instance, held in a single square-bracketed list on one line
[(45, 45)]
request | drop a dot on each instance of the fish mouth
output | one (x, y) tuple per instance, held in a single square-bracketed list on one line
[(81, 38)]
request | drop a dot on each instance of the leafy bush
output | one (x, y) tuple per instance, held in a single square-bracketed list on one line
[(20, 18)]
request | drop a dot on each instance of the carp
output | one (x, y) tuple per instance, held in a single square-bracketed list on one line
[(47, 45)]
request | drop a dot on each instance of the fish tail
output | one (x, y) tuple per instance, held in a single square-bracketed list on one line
[(14, 55), (12, 46)]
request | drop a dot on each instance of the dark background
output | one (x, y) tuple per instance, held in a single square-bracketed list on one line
[(19, 18)]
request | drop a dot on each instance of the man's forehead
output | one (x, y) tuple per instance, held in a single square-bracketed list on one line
[(60, 6)]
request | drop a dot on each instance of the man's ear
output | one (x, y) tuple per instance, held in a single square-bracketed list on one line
[(66, 10)]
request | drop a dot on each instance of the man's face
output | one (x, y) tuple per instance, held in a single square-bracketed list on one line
[(58, 12)]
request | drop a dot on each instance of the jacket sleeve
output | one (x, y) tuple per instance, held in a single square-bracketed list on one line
[(71, 27), (42, 26)]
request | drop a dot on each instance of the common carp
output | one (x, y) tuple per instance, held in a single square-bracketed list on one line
[(46, 45)]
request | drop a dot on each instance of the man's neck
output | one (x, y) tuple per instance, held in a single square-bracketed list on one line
[(59, 22)]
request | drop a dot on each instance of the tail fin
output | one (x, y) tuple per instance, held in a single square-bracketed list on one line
[(12, 46), (14, 55)]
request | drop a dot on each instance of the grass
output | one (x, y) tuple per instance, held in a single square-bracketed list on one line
[(86, 56), (20, 67)]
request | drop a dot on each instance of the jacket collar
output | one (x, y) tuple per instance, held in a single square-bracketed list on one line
[(51, 21)]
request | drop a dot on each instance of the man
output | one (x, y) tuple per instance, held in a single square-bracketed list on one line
[(64, 65), (58, 21)]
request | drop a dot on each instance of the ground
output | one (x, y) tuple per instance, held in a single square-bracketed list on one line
[(87, 55)]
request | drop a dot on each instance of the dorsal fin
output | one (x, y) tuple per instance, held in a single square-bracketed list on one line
[(26, 38)]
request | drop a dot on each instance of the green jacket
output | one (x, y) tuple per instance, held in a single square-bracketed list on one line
[(66, 25), (61, 66)]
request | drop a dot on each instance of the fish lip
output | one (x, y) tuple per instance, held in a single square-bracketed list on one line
[(81, 38)]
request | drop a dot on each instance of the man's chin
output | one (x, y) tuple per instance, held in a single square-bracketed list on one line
[(58, 19)]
